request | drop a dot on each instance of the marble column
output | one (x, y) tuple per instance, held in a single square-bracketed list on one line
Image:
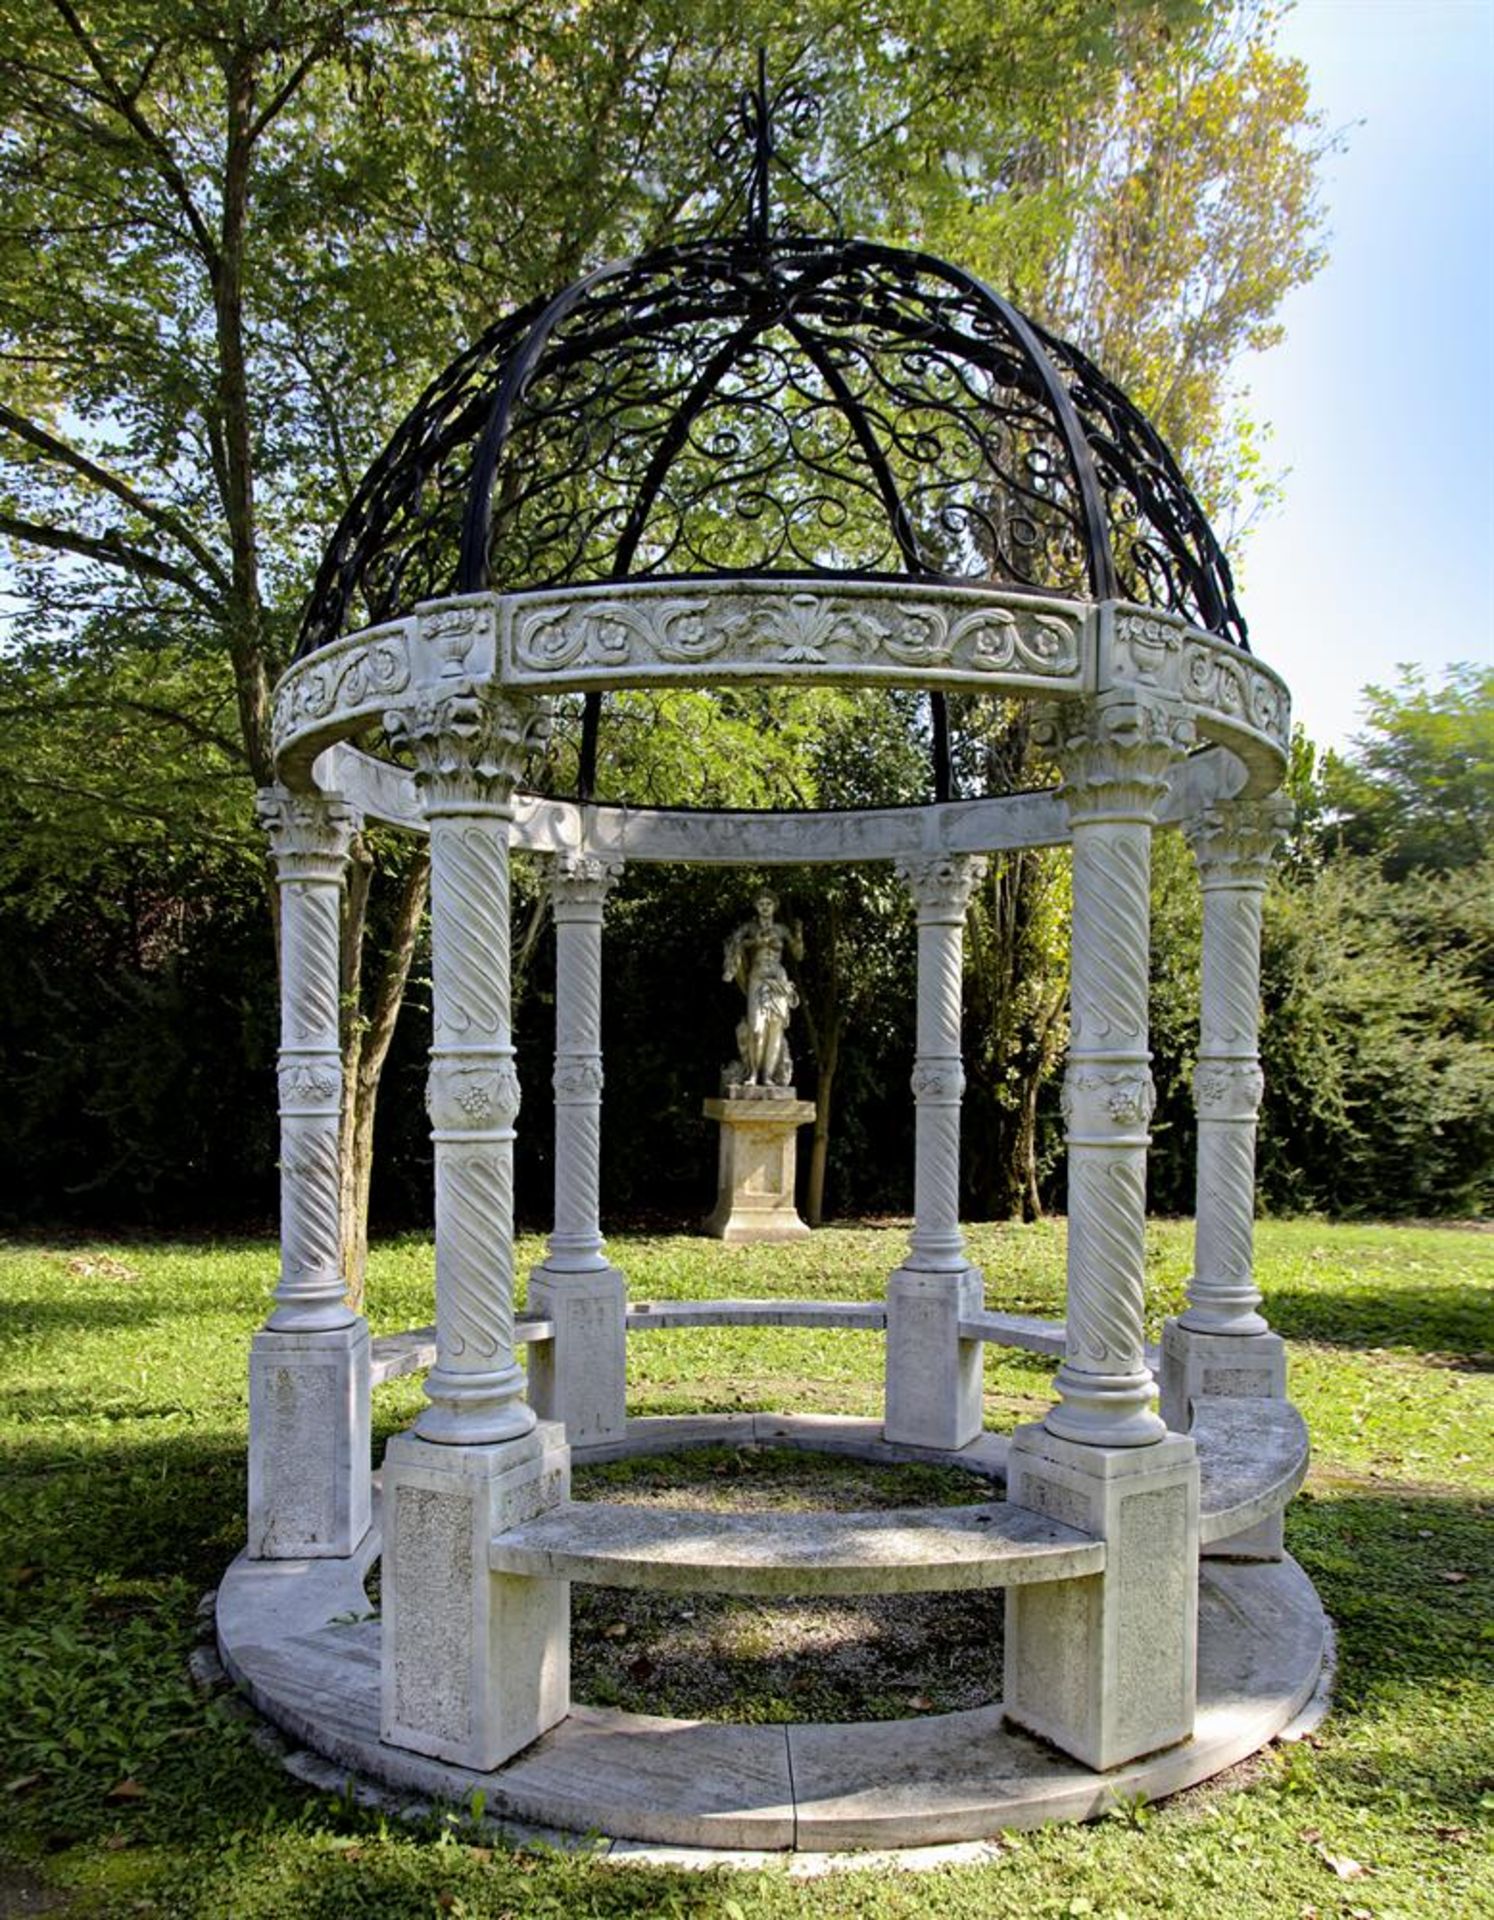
[(1106, 1668), (468, 751), (1114, 757), (475, 1665), (1220, 1343), (1234, 844), (309, 1367), (933, 1376), (580, 1375)]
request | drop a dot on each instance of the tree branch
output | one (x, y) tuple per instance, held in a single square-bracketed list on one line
[(111, 550), (70, 456), (129, 111)]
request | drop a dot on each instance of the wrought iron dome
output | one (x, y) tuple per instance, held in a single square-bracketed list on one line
[(767, 403)]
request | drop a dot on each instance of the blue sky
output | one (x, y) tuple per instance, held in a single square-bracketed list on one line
[(1381, 399)]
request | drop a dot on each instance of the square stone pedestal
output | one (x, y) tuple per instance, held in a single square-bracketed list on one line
[(1232, 1366), (476, 1664), (1106, 1667), (934, 1378), (309, 1495), (759, 1151), (581, 1376)]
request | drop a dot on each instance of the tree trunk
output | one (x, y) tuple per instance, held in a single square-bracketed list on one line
[(819, 1152)]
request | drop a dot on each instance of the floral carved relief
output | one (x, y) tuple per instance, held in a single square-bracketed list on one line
[(805, 628)]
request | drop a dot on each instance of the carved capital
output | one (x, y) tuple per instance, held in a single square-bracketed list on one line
[(1227, 1089), (1107, 1101), (478, 1094), (310, 833), (1114, 753), (469, 742), (1235, 841), (941, 885), (582, 880)]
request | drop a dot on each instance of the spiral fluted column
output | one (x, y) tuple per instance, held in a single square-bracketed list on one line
[(580, 1374), (310, 836), (941, 888), (579, 885), (1234, 843), (1114, 756), (469, 746), (934, 1376), (309, 1492)]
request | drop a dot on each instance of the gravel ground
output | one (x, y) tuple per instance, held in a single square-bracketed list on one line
[(715, 1658)]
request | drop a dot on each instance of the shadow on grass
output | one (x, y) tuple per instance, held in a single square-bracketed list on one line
[(1455, 1321), (89, 1508), (49, 1315)]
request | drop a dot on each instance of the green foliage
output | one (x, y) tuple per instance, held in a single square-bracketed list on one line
[(122, 1432), (1379, 1019), (1418, 791)]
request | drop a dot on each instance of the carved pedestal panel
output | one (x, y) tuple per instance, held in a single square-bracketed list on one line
[(758, 1160)]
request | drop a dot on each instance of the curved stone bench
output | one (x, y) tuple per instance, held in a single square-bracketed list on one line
[(393, 1355), (648, 1316), (1252, 1457), (902, 1550)]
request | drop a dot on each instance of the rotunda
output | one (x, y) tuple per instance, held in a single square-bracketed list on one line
[(769, 458)]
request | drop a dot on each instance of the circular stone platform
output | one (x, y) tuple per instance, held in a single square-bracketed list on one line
[(299, 1637)]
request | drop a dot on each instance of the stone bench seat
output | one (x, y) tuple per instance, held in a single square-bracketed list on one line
[(1252, 1457), (901, 1550), (649, 1315)]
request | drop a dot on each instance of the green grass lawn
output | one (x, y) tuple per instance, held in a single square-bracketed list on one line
[(122, 1429)]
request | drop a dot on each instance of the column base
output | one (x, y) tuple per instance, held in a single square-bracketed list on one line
[(308, 1443), (1106, 1667), (476, 1664), (581, 1376), (934, 1378), (1243, 1366)]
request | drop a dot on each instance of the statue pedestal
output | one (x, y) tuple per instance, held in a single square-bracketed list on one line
[(759, 1141)]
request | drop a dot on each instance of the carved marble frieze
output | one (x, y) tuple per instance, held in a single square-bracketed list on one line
[(359, 675), (1217, 680), (770, 629), (640, 633)]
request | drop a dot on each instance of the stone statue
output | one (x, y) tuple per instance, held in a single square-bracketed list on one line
[(754, 960)]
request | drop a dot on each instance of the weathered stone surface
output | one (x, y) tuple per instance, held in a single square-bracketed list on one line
[(308, 1442), (1105, 1667), (1022, 1330), (580, 1375), (1226, 1366), (936, 1780), (474, 1667), (904, 1550), (755, 1177), (933, 1391), (649, 1315), (392, 1355), (544, 825), (1253, 1455)]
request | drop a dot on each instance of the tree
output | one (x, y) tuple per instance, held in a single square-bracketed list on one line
[(1417, 793)]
